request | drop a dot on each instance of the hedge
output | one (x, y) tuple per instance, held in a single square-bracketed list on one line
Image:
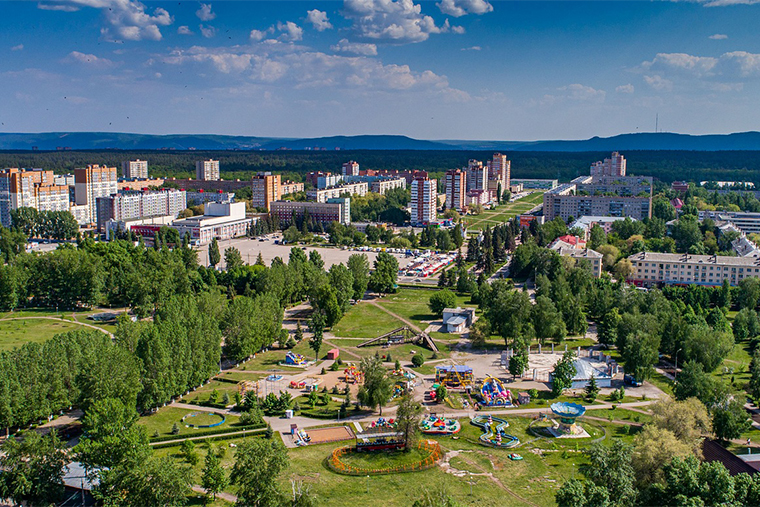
[(257, 434), (229, 429)]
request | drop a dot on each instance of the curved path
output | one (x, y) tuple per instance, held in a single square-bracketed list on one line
[(58, 319)]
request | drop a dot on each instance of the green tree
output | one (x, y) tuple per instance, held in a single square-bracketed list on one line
[(358, 264), (592, 390), (754, 371), (154, 482), (258, 465), (441, 393), (408, 419), (378, 387), (611, 467), (730, 419), (749, 293), (317, 326), (214, 257), (383, 278), (232, 258), (214, 477), (518, 363), (547, 320), (441, 300), (563, 373), (640, 354), (33, 469)]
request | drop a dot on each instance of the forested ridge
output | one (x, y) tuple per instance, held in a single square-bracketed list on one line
[(664, 165)]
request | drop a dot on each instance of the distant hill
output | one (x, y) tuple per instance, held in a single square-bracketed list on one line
[(743, 141)]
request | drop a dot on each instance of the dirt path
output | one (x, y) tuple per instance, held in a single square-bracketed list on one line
[(396, 316), (342, 350), (57, 319), (224, 496)]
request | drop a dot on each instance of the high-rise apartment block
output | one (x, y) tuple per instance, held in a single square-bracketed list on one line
[(33, 188), (265, 190), (613, 166), (477, 175), (350, 168), (131, 205), (90, 183), (334, 210), (207, 170), (135, 169), (499, 173), (424, 200), (456, 189)]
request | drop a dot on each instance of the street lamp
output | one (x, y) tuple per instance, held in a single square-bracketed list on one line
[(675, 372), (367, 481)]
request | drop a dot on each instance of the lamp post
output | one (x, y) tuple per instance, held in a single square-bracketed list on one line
[(367, 481), (675, 371)]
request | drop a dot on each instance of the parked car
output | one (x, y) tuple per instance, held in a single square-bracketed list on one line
[(630, 380)]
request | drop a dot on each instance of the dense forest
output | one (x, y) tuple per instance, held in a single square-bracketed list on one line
[(664, 165)]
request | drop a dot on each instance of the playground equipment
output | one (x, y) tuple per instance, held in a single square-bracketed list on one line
[(380, 435), (247, 386), (493, 393), (353, 375), (403, 381), (293, 359), (494, 432), (567, 413), (439, 426), (454, 376), (273, 378), (402, 335)]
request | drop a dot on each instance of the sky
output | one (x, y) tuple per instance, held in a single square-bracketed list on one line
[(445, 69)]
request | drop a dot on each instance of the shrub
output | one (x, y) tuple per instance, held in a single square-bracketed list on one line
[(418, 360), (251, 417), (323, 372), (175, 429)]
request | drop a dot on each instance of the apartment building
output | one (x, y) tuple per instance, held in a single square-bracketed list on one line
[(586, 223), (746, 222), (334, 210), (535, 184), (499, 173), (613, 166), (265, 190), (200, 197), (619, 196), (329, 180), (322, 195), (32, 188), (90, 183), (207, 170), (290, 187), (382, 185), (133, 205), (350, 168), (424, 200), (652, 268), (456, 189), (132, 169), (477, 175), (590, 259)]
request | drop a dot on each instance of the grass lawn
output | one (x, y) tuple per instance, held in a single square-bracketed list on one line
[(365, 321), (662, 382), (202, 394), (271, 359), (239, 376), (163, 420), (15, 333), (401, 352), (504, 212), (413, 305)]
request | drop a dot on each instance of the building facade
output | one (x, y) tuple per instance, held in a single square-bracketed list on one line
[(456, 189), (92, 182), (535, 184), (221, 221), (336, 210), (322, 195), (499, 173), (621, 196), (350, 168), (382, 185), (265, 190), (424, 200), (613, 166), (132, 205), (477, 175), (201, 197), (132, 169), (207, 170), (290, 187), (32, 188), (650, 268)]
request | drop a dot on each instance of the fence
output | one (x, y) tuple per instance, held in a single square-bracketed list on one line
[(337, 465)]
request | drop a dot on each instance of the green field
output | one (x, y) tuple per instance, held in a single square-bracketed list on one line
[(202, 394), (271, 359), (365, 321), (163, 421), (503, 213), (15, 333)]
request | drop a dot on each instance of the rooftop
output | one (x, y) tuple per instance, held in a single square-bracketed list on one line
[(716, 260)]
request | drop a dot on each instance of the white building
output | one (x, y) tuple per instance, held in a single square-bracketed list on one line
[(424, 200), (613, 166), (350, 168), (207, 170), (586, 223), (322, 195), (133, 205), (134, 169), (381, 186), (92, 182), (477, 175), (221, 221), (456, 189), (652, 268)]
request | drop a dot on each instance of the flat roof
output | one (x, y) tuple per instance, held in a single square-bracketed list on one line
[(716, 260)]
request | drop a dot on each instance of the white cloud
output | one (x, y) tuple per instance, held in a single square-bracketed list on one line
[(290, 31), (747, 63), (204, 13), (358, 48), (88, 59), (17, 48), (387, 20), (582, 93), (718, 36), (725, 3), (319, 20), (627, 88), (658, 83), (207, 31), (696, 65), (472, 48), (126, 19), (732, 65), (458, 8), (184, 30), (258, 35)]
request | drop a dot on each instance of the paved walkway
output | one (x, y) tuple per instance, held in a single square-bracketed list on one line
[(224, 496)]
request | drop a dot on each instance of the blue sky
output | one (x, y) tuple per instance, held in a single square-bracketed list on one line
[(446, 69)]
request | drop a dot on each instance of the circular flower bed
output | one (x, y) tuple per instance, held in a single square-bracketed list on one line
[(430, 450), (188, 417)]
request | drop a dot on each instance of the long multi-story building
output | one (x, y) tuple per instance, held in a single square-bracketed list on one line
[(456, 189), (92, 182), (329, 180), (265, 190), (132, 205), (424, 200), (221, 220), (132, 169), (350, 168), (207, 170), (335, 210), (613, 166), (290, 187), (200, 197), (322, 195), (382, 185), (537, 184), (650, 268), (32, 188)]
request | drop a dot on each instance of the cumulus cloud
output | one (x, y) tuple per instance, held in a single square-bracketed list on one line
[(725, 3), (659, 83), (207, 31), (718, 36), (582, 93), (291, 32), (472, 48), (318, 19), (393, 21), (88, 59), (17, 48), (205, 13), (184, 30), (627, 88), (696, 65), (357, 48), (258, 35), (458, 8), (731, 65), (125, 19)]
